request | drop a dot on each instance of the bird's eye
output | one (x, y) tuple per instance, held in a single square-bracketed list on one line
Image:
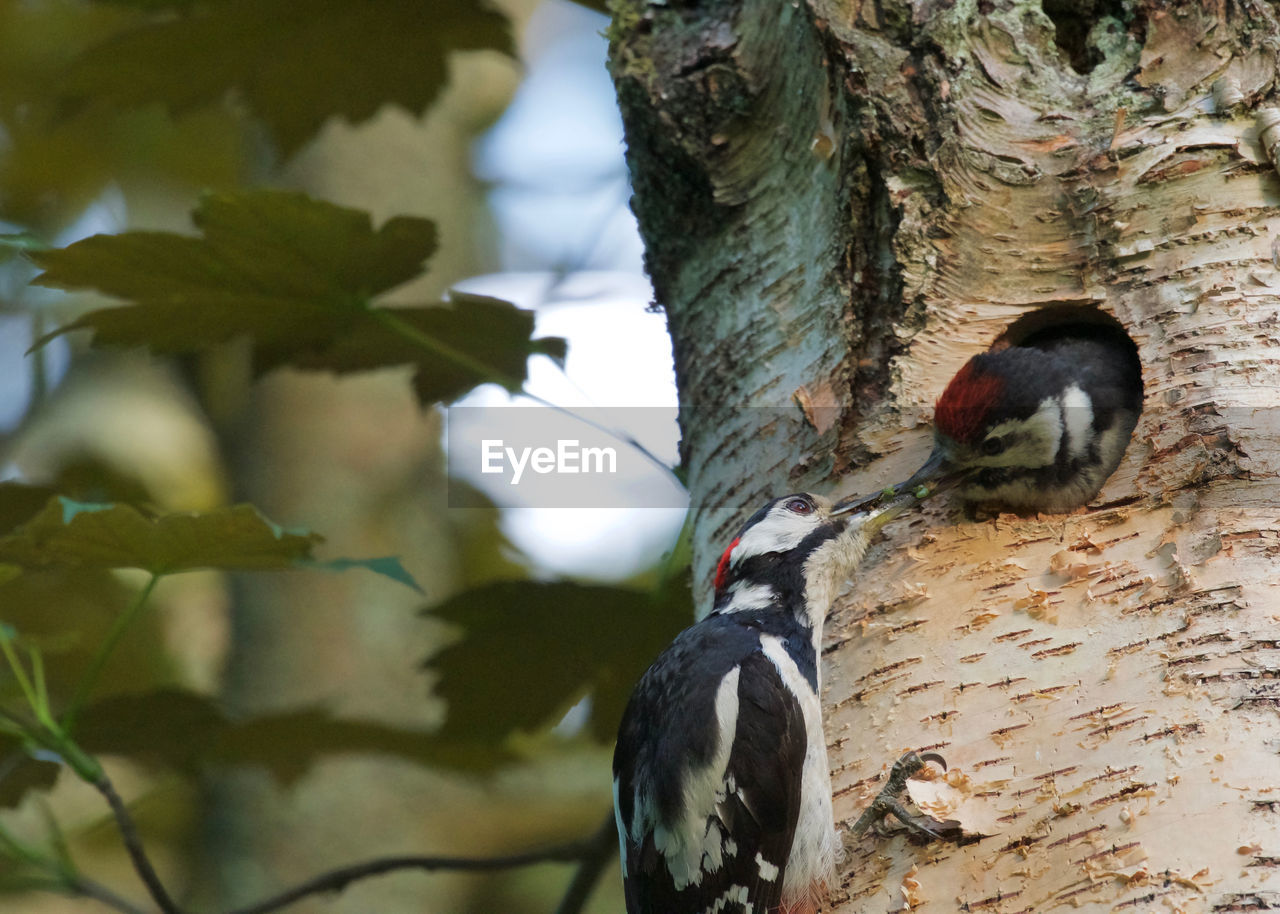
[(993, 446), (800, 506)]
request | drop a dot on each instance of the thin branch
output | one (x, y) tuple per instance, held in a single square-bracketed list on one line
[(406, 331), (425, 341), (133, 844), (99, 662), (602, 847), (340, 878), (74, 883), (75, 886), (619, 434), (62, 874), (39, 361), (18, 670)]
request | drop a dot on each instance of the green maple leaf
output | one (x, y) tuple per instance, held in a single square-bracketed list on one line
[(298, 277), (292, 63)]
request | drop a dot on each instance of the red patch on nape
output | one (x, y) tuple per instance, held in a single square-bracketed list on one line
[(722, 567), (959, 412)]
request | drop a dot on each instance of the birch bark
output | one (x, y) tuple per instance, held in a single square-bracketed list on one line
[(843, 201)]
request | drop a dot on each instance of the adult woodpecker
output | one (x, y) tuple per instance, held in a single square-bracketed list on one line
[(721, 787), (1038, 426)]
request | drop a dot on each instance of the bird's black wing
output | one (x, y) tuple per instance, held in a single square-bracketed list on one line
[(748, 825)]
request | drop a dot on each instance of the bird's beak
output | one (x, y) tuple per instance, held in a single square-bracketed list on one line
[(876, 510), (934, 468), (856, 503), (933, 476)]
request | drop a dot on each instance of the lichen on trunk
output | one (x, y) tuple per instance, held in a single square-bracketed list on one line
[(841, 203), (746, 174)]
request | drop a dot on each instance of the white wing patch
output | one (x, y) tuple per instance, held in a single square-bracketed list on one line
[(734, 895), (1077, 418), (816, 846), (622, 829), (768, 871), (693, 844)]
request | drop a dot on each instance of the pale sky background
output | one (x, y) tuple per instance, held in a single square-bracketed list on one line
[(570, 248), (107, 214)]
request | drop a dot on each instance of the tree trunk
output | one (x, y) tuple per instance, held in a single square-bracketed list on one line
[(843, 201)]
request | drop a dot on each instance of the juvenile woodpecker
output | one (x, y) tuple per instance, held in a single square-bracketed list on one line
[(721, 787), (1038, 426)]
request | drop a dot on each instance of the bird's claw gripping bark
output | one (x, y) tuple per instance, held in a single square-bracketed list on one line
[(920, 826)]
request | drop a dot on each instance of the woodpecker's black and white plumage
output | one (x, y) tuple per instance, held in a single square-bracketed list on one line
[(721, 787), (1038, 426)]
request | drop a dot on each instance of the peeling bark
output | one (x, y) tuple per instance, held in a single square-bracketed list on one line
[(843, 201), (743, 198)]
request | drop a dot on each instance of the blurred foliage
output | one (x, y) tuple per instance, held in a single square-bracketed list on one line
[(264, 52), (297, 277), (67, 532), (88, 539), (84, 477), (66, 614), (56, 161), (20, 772), (79, 534), (162, 88), (191, 733), (13, 243), (555, 643), (179, 95), (485, 554), (19, 503)]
